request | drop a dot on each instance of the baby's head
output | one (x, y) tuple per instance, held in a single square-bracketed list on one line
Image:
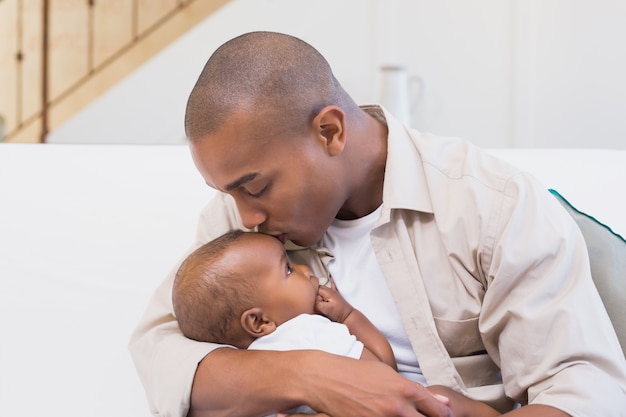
[(238, 287)]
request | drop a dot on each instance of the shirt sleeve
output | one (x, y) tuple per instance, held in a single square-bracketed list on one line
[(165, 360), (543, 321)]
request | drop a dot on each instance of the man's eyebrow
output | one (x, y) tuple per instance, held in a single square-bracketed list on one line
[(241, 180)]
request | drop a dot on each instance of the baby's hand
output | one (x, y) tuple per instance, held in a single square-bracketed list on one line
[(331, 304)]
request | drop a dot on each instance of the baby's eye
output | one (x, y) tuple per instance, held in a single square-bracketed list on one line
[(289, 269)]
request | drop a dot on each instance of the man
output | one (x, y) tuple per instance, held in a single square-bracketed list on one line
[(474, 273)]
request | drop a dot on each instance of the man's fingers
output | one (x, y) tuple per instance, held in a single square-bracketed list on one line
[(430, 404)]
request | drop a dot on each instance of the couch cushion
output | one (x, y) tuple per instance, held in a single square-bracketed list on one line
[(607, 255)]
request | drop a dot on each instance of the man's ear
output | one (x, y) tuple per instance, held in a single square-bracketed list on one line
[(330, 125), (256, 323)]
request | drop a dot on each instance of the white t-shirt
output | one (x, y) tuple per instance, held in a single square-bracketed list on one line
[(361, 282)]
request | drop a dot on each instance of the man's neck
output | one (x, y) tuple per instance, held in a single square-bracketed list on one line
[(368, 159)]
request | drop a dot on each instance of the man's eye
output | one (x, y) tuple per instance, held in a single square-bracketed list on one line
[(255, 194), (289, 269)]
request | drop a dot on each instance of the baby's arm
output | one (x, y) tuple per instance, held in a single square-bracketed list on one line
[(332, 305)]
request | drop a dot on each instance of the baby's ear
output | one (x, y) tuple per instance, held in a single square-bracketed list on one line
[(256, 323)]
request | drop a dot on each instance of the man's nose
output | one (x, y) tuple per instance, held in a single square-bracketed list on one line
[(250, 216)]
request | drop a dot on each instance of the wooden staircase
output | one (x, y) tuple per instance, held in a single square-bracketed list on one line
[(56, 56)]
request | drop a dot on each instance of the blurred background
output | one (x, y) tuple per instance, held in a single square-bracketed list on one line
[(502, 73)]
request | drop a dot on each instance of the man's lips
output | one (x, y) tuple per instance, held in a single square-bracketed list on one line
[(280, 236)]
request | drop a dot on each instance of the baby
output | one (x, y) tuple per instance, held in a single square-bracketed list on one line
[(241, 289)]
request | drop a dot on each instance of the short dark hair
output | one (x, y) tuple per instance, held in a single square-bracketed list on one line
[(208, 299), (271, 73)]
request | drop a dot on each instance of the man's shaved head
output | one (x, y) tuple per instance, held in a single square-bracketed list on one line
[(272, 75)]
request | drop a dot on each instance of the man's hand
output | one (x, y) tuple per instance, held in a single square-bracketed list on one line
[(369, 389)]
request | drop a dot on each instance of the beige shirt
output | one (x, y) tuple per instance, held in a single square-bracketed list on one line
[(489, 273)]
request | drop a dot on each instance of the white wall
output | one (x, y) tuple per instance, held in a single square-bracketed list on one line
[(575, 62), (503, 73)]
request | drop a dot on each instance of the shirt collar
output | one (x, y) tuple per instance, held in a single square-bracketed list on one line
[(405, 185)]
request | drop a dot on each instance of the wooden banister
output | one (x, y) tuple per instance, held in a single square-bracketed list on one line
[(69, 52)]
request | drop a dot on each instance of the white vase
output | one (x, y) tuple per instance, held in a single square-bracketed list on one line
[(400, 93)]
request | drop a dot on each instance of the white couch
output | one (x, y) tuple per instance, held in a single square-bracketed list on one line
[(88, 231)]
